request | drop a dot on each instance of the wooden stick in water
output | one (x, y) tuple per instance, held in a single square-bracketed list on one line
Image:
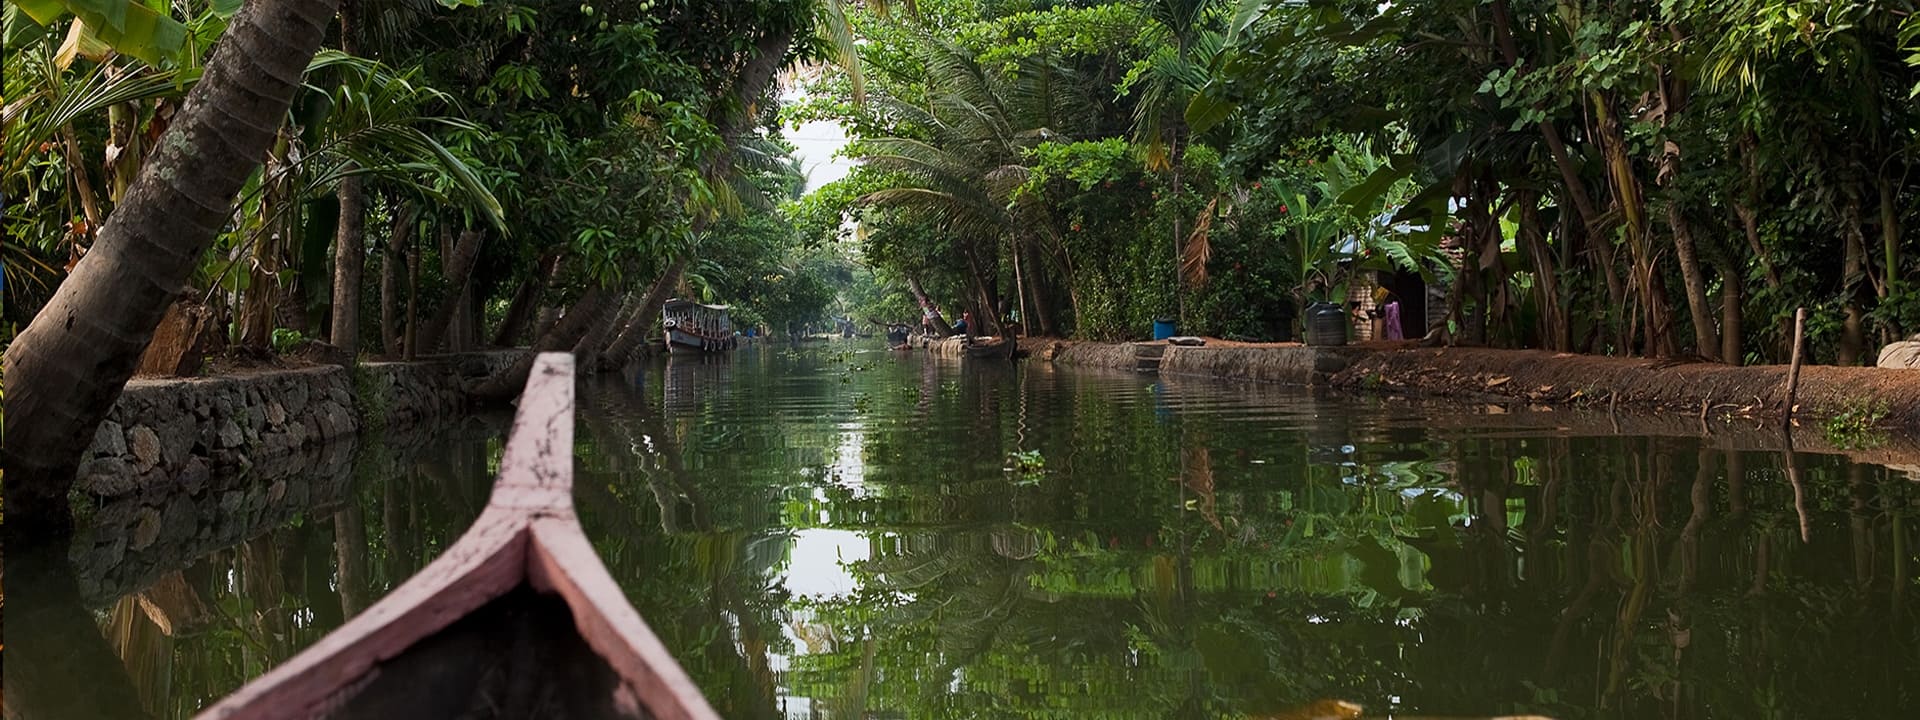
[(1793, 369)]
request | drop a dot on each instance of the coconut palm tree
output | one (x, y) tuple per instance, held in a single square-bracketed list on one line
[(957, 158), (70, 364)]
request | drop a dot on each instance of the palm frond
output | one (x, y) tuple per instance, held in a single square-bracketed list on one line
[(1198, 249)]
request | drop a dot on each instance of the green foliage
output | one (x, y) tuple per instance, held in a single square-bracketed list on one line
[(1858, 426), (286, 339)]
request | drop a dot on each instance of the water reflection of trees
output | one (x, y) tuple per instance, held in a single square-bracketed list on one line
[(704, 577), (201, 628), (1464, 572), (1184, 552)]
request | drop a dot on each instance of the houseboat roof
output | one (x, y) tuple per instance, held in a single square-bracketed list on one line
[(677, 303)]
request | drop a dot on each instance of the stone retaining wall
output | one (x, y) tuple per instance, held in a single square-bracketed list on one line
[(168, 435), (127, 541)]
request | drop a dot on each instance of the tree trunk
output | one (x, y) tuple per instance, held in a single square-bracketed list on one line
[(349, 262), (350, 556), (588, 350), (412, 339), (263, 281), (521, 310), (635, 330), (1555, 331), (1853, 264), (459, 270), (940, 324), (392, 259), (1040, 290), (68, 367), (1889, 237), (349, 243), (460, 335), (983, 300), (586, 311), (1706, 340), (1732, 298), (1576, 189)]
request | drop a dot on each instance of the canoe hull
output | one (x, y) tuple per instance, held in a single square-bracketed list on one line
[(1001, 349), (503, 597)]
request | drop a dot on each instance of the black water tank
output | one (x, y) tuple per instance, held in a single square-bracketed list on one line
[(1326, 324)]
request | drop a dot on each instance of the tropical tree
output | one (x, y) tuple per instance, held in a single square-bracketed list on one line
[(70, 363)]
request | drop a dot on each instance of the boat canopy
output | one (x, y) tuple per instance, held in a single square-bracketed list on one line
[(680, 304)]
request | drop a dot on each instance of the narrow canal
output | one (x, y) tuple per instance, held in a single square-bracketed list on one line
[(841, 534)]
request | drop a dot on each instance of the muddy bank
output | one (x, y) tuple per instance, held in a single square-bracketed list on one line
[(1532, 378), (1492, 416), (1700, 389)]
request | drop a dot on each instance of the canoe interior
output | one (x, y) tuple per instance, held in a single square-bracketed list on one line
[(518, 656)]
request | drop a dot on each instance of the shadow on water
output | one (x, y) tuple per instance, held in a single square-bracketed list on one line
[(835, 533)]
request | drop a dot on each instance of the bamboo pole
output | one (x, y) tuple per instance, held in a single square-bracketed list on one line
[(1786, 423), (1020, 285)]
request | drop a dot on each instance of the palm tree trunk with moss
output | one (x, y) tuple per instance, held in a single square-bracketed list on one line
[(349, 243), (1853, 274), (459, 272), (634, 331), (586, 311), (68, 367), (520, 310), (349, 262), (591, 345), (392, 263)]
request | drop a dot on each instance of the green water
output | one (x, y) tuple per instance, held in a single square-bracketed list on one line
[(836, 534)]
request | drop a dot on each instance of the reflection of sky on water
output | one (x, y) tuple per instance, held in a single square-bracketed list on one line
[(818, 565)]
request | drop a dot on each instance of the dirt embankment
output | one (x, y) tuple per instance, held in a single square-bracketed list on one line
[(1698, 388), (1890, 399)]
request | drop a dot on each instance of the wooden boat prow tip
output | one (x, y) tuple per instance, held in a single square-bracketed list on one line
[(518, 619)]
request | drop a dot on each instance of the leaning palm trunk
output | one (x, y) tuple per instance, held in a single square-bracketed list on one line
[(392, 262), (595, 341), (920, 295), (586, 311), (642, 319), (521, 310), (459, 270), (69, 366)]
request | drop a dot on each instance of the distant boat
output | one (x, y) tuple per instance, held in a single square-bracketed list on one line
[(695, 328), (1001, 348), (518, 618), (897, 337)]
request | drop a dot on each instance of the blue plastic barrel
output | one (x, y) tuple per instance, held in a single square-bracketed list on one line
[(1162, 328)]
